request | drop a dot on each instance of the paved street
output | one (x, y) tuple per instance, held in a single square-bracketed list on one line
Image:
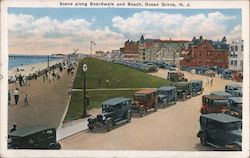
[(173, 128)]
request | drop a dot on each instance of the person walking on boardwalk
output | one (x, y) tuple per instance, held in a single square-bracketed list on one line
[(26, 102), (9, 97), (211, 81), (16, 95)]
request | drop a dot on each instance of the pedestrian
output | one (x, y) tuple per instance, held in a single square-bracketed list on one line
[(100, 81), (16, 95), (211, 81), (207, 81), (26, 102), (107, 82), (13, 128), (9, 97), (118, 83), (44, 78), (20, 80)]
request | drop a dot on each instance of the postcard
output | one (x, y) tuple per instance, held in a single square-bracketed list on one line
[(124, 78)]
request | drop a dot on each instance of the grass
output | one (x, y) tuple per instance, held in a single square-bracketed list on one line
[(128, 77), (95, 97)]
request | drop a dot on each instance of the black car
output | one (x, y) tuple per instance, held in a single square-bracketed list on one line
[(235, 106), (197, 87), (33, 137), (184, 90), (166, 96), (114, 111), (221, 131)]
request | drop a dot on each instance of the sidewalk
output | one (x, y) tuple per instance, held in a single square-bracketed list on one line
[(72, 128)]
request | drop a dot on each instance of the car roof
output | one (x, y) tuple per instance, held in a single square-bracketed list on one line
[(184, 82), (167, 88), (221, 93), (194, 81), (220, 117), (115, 101), (234, 85), (236, 99), (215, 97), (28, 130), (145, 91)]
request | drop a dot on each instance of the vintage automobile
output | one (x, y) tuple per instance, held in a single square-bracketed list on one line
[(232, 88), (197, 87), (166, 96), (221, 93), (237, 76), (33, 137), (176, 76), (227, 74), (238, 93), (114, 111), (183, 89), (235, 106), (220, 131), (144, 100), (214, 104)]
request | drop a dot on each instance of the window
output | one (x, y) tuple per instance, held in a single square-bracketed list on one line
[(242, 48), (232, 62), (232, 48), (235, 63), (236, 48)]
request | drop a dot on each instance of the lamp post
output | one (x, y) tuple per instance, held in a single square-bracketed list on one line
[(84, 69)]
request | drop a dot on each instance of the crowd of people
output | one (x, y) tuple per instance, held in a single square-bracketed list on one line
[(50, 74)]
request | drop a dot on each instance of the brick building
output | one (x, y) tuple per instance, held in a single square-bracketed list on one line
[(200, 52), (131, 50)]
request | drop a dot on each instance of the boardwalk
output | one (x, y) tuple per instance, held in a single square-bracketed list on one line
[(48, 102)]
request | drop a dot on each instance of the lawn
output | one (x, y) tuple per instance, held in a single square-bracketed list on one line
[(128, 77), (95, 97)]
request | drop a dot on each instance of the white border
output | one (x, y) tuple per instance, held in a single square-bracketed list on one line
[(244, 5)]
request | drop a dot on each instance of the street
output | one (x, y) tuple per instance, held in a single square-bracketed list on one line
[(172, 128)]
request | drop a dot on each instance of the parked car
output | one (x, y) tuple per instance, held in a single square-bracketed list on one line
[(214, 104), (197, 87), (220, 131), (237, 76), (144, 100), (176, 76), (238, 93), (166, 96), (221, 93), (231, 88), (184, 90), (235, 106), (227, 74), (114, 111), (33, 137)]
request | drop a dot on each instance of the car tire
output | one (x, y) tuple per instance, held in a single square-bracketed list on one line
[(109, 125), (129, 115), (91, 128), (143, 112), (155, 107), (203, 139)]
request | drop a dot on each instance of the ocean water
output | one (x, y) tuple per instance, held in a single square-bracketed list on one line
[(21, 60)]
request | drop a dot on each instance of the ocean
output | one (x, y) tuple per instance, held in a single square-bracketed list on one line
[(21, 60)]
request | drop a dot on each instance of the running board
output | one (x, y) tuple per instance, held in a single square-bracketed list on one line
[(122, 121), (213, 145)]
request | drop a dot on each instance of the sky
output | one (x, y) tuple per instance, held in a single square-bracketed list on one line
[(60, 30)]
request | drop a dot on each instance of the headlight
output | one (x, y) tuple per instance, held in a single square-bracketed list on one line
[(103, 117)]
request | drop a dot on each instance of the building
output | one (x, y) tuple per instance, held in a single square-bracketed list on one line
[(203, 52), (154, 50), (100, 53), (236, 50), (131, 50)]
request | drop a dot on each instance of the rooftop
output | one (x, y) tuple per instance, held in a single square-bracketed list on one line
[(115, 101), (214, 97), (236, 99), (167, 88), (221, 93), (220, 117), (145, 91), (25, 131)]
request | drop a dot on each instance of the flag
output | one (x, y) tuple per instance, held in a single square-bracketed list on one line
[(92, 42)]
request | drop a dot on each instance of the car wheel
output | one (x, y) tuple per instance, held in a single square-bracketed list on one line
[(129, 117), (91, 128), (155, 107), (109, 125), (143, 112), (203, 139)]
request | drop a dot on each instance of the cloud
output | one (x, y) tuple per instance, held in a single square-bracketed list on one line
[(177, 26), (235, 34), (47, 35)]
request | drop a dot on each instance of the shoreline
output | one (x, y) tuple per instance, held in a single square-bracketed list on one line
[(31, 68)]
